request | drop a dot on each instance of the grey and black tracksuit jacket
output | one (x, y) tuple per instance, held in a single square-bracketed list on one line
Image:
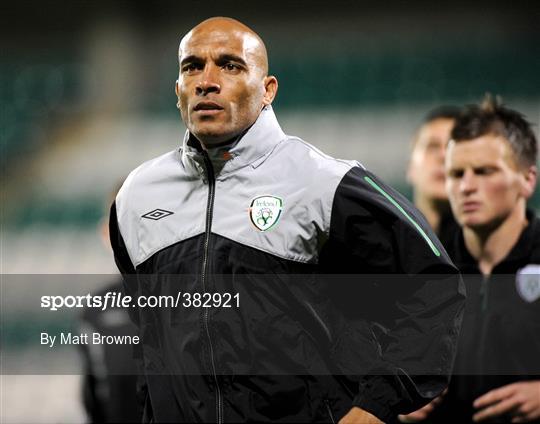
[(275, 220)]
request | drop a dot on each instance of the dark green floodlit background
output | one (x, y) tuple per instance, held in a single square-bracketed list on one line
[(86, 94), (91, 75)]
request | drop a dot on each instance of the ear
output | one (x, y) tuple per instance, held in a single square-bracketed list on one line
[(528, 182), (270, 89), (176, 89), (103, 228)]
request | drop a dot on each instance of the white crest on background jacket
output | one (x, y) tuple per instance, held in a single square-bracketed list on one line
[(265, 211), (528, 282)]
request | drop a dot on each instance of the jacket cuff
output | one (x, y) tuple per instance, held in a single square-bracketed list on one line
[(376, 396)]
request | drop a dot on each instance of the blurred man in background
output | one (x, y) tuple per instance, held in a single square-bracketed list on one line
[(491, 173), (109, 386), (426, 174), (426, 170)]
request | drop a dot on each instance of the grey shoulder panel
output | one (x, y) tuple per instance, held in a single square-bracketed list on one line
[(281, 204), (158, 205)]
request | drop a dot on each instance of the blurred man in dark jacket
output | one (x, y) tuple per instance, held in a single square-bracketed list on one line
[(491, 172), (109, 386), (426, 170)]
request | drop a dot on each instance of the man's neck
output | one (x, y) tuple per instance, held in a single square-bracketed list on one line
[(223, 145), (489, 246), (433, 210)]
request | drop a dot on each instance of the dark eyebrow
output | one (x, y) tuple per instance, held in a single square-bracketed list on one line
[(190, 59), (229, 57), (223, 58)]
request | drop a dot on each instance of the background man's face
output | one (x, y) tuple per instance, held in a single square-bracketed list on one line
[(483, 182), (221, 84), (426, 169)]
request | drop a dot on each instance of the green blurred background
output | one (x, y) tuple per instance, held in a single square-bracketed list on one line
[(87, 94), (87, 88)]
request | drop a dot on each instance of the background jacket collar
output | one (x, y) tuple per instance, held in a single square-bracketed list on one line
[(520, 254)]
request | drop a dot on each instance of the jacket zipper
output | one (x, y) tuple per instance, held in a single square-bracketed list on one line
[(209, 212), (484, 291)]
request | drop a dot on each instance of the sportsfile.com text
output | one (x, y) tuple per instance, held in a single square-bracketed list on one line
[(120, 300)]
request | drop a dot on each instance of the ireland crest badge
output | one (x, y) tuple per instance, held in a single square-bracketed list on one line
[(264, 212), (528, 282)]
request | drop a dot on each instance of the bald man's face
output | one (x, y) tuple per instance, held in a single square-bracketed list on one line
[(222, 85)]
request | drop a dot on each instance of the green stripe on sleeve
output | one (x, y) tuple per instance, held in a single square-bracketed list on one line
[(398, 206)]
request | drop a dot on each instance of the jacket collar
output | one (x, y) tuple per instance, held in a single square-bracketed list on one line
[(518, 256), (254, 145)]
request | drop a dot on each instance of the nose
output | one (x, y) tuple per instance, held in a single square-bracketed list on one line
[(468, 182), (209, 82), (442, 153)]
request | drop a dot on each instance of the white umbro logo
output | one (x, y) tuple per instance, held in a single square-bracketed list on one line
[(157, 214)]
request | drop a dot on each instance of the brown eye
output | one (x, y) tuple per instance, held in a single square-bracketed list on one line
[(455, 174), (231, 67), (190, 68), (484, 171)]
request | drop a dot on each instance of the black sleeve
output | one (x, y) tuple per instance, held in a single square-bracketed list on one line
[(130, 282), (413, 314), (121, 256)]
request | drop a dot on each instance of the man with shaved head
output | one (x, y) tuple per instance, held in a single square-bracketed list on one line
[(241, 227)]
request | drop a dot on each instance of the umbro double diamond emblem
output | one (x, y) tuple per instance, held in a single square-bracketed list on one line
[(157, 214)]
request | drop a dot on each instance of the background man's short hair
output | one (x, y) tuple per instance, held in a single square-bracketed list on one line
[(442, 112), (491, 117)]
